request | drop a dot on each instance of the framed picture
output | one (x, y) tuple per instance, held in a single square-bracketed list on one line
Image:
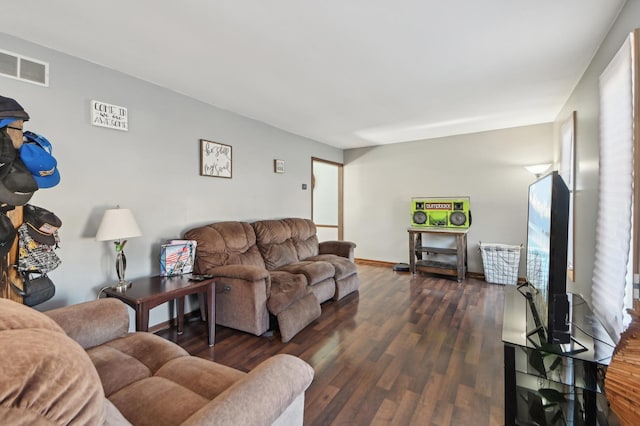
[(215, 159), (278, 166)]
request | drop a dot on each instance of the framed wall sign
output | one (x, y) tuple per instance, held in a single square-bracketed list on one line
[(111, 116), (215, 159), (278, 166)]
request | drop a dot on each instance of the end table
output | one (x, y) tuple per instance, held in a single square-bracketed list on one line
[(149, 292)]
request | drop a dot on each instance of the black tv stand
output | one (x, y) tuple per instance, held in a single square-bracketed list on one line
[(572, 372), (541, 343)]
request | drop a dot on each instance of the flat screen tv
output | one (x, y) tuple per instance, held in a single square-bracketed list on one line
[(546, 257)]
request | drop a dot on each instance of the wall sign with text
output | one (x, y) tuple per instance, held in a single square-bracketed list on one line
[(111, 116)]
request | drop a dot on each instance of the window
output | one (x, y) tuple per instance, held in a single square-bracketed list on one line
[(612, 287), (568, 172)]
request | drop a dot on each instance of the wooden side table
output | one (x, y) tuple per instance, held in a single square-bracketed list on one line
[(149, 292), (416, 251)]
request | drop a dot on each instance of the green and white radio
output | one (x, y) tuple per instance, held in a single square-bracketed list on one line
[(452, 212)]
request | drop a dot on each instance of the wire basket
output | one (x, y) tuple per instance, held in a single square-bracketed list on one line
[(501, 263)]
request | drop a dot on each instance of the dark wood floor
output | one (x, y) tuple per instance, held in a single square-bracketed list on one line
[(401, 351)]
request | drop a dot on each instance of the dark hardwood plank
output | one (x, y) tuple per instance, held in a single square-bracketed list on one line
[(403, 350)]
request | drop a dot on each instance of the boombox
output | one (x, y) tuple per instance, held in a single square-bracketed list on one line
[(441, 212)]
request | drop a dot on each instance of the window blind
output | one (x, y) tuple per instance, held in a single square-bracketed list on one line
[(611, 275)]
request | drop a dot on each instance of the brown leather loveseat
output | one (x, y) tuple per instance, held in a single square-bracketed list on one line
[(273, 266)]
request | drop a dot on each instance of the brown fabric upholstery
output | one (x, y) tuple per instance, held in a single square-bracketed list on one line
[(51, 380), (303, 235), (282, 372), (228, 251), (339, 248), (346, 273), (273, 238), (298, 315), (107, 320), (136, 355), (249, 288), (225, 243), (286, 289), (46, 377)]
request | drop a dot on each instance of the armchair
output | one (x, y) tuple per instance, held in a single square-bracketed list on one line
[(79, 364)]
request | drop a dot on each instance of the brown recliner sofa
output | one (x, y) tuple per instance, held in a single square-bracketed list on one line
[(80, 365), (272, 266)]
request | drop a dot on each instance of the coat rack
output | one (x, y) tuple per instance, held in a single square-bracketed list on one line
[(8, 272)]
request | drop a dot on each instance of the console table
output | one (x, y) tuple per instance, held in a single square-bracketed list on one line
[(562, 382), (149, 292), (417, 251)]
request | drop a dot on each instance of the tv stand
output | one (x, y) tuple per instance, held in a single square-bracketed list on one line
[(551, 380), (574, 348)]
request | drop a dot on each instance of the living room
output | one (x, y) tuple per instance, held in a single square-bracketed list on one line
[(153, 170)]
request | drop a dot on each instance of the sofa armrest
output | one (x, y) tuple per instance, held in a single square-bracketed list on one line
[(340, 248), (93, 323), (260, 397), (242, 272)]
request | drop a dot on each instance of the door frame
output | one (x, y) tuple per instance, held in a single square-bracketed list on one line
[(340, 194)]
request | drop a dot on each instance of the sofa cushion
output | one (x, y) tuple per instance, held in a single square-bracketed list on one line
[(156, 401), (286, 289), (314, 271), (133, 357), (225, 243), (343, 266), (46, 378), (303, 236), (273, 238), (178, 389), (207, 379)]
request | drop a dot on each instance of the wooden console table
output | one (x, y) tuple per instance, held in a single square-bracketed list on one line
[(417, 250), (149, 292)]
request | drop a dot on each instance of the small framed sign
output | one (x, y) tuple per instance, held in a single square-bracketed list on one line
[(111, 116), (278, 166)]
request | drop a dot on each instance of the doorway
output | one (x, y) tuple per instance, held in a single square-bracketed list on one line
[(326, 199)]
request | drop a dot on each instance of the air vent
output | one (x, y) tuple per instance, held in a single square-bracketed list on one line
[(22, 68)]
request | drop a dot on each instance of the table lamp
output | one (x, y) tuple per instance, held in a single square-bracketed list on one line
[(117, 225)]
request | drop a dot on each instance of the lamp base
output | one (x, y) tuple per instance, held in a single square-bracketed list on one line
[(122, 286)]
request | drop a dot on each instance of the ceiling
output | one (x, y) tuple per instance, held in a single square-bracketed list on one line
[(349, 73)]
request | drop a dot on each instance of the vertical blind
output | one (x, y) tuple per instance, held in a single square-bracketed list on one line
[(611, 275)]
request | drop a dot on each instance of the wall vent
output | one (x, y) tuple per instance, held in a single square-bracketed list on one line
[(22, 68)]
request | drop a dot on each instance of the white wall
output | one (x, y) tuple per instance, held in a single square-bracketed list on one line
[(585, 101), (152, 169), (380, 182)]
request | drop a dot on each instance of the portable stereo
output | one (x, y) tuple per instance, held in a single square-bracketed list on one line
[(441, 212)]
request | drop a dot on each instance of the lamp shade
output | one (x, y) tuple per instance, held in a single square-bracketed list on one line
[(538, 169), (117, 224)]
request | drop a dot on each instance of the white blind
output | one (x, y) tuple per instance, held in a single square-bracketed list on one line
[(613, 230), (567, 171)]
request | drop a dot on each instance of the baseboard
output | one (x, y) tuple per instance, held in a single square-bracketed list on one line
[(373, 262), (172, 321)]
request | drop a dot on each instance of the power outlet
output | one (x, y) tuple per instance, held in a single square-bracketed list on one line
[(304, 186)]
